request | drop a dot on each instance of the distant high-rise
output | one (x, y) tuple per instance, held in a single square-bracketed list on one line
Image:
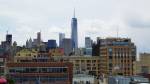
[(38, 38), (29, 43), (88, 46), (74, 32), (9, 39), (67, 46), (51, 44), (61, 37), (88, 42)]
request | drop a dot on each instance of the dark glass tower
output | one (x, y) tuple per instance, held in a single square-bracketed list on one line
[(74, 32), (9, 39)]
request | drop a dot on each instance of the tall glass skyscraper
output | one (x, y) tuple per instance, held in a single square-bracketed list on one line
[(61, 37), (74, 32)]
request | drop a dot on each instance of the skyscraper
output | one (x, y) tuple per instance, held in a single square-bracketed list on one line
[(38, 38), (67, 46), (61, 37), (88, 46), (88, 42), (9, 39), (74, 32)]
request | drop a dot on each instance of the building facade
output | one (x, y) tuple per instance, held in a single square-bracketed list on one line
[(51, 44), (61, 37), (84, 64), (96, 47), (40, 72), (9, 39), (38, 39), (56, 52), (67, 46), (117, 56), (84, 79), (127, 80), (88, 42), (142, 67)]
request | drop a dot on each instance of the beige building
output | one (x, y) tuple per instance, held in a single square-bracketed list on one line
[(117, 56), (143, 65), (83, 64)]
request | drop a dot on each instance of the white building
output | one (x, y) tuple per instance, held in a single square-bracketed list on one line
[(84, 79)]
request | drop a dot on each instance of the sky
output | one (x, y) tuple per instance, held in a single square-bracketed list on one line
[(96, 18)]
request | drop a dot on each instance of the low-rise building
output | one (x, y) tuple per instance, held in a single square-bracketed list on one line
[(27, 52), (142, 67), (84, 79), (3, 60), (56, 52), (127, 80), (83, 64), (40, 72)]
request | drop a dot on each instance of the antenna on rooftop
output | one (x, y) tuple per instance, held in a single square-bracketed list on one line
[(7, 32), (117, 31)]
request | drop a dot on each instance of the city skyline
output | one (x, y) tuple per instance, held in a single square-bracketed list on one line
[(96, 18)]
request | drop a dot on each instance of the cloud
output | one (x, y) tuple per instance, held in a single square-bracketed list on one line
[(96, 18), (138, 23)]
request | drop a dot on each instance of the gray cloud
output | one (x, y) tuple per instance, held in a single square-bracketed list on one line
[(95, 18), (138, 23)]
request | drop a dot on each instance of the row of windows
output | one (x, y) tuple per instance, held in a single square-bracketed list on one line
[(87, 61), (40, 78), (38, 70)]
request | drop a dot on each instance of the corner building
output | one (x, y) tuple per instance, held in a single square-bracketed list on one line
[(117, 56)]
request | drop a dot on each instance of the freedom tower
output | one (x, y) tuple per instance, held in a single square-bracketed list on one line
[(74, 32)]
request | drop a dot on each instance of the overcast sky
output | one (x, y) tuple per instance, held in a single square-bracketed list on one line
[(96, 18)]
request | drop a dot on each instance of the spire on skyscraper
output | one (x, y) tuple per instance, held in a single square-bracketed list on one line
[(7, 32), (74, 14)]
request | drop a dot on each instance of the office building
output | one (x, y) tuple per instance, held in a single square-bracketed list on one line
[(9, 39), (40, 72), (30, 43), (3, 44), (117, 56), (37, 67), (83, 64), (3, 60), (88, 42), (88, 46), (96, 47), (127, 80), (84, 79), (67, 46), (38, 39), (27, 44), (88, 51), (61, 37), (34, 43), (142, 67), (74, 32), (51, 44)]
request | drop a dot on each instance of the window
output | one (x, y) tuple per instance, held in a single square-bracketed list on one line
[(145, 69)]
